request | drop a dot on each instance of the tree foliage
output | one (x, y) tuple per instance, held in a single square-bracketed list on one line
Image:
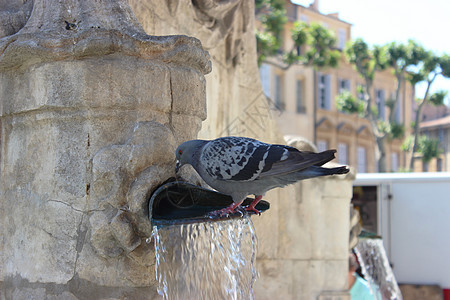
[(367, 61), (346, 102), (272, 15), (429, 148), (401, 56), (437, 98), (316, 41)]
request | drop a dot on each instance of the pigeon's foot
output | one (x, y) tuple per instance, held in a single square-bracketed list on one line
[(225, 212), (252, 205), (249, 208)]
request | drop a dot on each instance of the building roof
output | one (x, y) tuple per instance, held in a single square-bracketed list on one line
[(441, 122)]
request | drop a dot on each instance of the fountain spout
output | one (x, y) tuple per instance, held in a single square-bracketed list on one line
[(179, 202)]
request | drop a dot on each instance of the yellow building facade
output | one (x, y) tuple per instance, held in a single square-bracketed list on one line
[(304, 99)]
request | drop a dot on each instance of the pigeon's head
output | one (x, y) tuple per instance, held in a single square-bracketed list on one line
[(186, 151)]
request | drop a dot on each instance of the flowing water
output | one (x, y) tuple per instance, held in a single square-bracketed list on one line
[(210, 260), (376, 269)]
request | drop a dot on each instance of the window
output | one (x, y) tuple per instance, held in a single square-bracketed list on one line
[(394, 161), (304, 18), (439, 165), (343, 85), (361, 152), (380, 100), (324, 91), (322, 145), (342, 38), (294, 13), (342, 153), (299, 97), (264, 74), (441, 136), (279, 103)]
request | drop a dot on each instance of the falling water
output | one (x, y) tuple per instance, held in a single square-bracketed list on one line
[(376, 269), (209, 260)]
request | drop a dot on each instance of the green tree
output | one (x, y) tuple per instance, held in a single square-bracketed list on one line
[(401, 57), (317, 41), (427, 147), (398, 58), (346, 102), (367, 61), (272, 15), (430, 68)]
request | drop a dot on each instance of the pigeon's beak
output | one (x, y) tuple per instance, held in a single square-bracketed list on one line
[(178, 166)]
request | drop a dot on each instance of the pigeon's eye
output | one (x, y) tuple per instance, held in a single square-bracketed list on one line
[(180, 152)]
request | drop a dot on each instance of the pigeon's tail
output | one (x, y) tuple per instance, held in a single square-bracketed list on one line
[(311, 172), (334, 171)]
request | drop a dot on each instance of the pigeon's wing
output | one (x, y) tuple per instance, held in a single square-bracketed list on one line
[(295, 161), (233, 158), (244, 159)]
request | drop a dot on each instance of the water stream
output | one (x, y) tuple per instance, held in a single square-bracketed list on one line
[(376, 269), (209, 260)]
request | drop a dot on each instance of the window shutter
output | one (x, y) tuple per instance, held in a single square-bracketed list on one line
[(328, 92), (322, 145), (361, 155), (342, 154), (264, 74)]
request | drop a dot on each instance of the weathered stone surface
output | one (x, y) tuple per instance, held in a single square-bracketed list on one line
[(19, 288), (191, 82), (236, 104), (13, 15), (91, 112), (416, 292), (300, 279), (268, 228), (313, 277)]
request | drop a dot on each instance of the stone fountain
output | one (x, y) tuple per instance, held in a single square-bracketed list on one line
[(92, 109)]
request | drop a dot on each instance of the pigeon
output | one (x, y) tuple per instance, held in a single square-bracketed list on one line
[(240, 166)]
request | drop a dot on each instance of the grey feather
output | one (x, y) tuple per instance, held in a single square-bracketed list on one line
[(240, 166)]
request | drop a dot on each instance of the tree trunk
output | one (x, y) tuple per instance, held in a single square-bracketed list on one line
[(416, 135), (380, 154), (417, 125), (380, 149), (400, 81)]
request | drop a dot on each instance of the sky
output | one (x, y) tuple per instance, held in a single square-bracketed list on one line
[(380, 22)]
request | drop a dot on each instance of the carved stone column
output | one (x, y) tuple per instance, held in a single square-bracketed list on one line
[(92, 109)]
